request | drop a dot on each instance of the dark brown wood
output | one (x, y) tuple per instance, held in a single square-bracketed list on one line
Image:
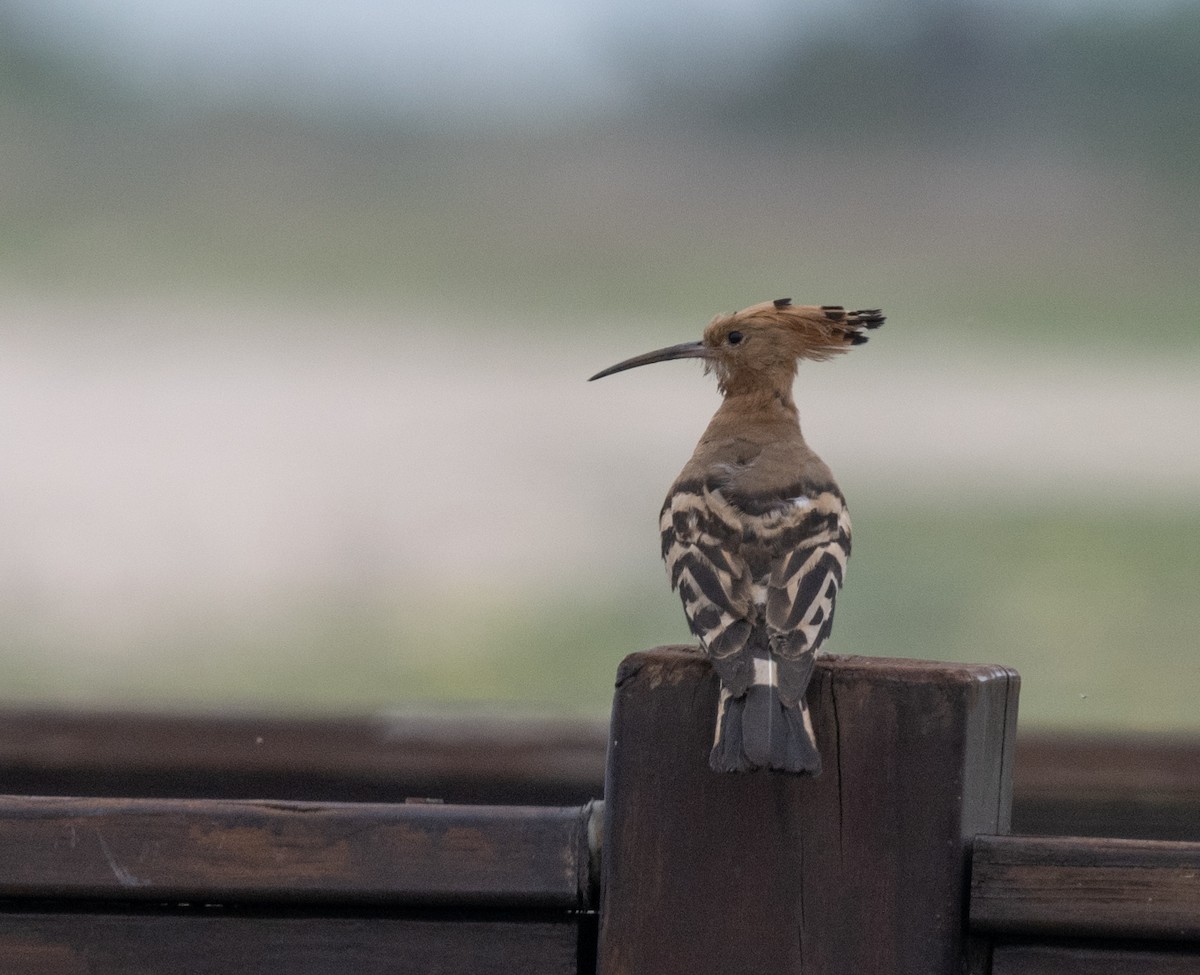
[(1136, 816), (152, 944), (1134, 786), (1091, 765), (1145, 786), (862, 870), (240, 756), (1033, 959), (346, 853), (1086, 887)]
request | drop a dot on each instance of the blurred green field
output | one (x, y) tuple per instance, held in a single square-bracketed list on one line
[(1036, 198), (1096, 609), (558, 229)]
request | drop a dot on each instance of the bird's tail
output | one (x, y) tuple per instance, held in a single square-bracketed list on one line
[(757, 730)]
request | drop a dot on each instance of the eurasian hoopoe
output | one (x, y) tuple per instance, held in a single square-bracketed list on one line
[(755, 531)]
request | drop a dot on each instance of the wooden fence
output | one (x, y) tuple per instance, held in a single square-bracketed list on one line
[(172, 844)]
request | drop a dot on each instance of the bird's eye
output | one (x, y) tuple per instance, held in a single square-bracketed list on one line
[(733, 338)]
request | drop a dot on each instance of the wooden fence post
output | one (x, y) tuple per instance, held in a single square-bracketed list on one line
[(861, 871)]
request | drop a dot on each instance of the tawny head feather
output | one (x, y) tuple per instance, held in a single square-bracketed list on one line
[(759, 346)]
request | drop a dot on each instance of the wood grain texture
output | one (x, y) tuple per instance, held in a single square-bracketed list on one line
[(862, 870), (248, 756), (1066, 959), (218, 851), (1086, 887), (155, 944)]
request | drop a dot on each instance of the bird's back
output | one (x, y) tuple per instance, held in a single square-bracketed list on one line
[(755, 534)]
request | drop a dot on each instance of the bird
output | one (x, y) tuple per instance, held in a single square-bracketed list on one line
[(755, 530)]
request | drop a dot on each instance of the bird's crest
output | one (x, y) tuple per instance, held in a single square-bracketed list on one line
[(816, 332), (757, 348)]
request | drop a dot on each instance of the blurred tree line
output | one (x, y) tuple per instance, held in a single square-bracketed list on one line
[(955, 73), (349, 196), (1110, 79)]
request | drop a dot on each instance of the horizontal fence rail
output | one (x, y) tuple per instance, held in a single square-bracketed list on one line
[(198, 944), (192, 887), (1082, 959), (1086, 888), (1135, 787), (195, 844), (1145, 787), (416, 855), (239, 756)]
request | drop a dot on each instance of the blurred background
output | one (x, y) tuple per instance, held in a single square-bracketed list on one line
[(298, 303)]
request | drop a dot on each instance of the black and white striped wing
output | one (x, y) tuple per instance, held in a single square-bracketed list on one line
[(701, 544), (811, 546)]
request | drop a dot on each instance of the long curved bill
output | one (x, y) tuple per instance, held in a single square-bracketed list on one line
[(688, 350)]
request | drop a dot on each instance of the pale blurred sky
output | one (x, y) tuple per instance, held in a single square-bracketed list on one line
[(501, 52), (457, 54)]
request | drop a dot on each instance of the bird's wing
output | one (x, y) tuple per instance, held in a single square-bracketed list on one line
[(701, 544), (809, 542)]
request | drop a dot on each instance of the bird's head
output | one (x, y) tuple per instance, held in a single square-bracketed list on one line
[(758, 347)]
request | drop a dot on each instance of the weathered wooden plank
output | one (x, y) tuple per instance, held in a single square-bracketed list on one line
[(242, 756), (1059, 959), (1092, 765), (155, 944), (1137, 816), (1135, 786), (210, 850), (1145, 786), (1086, 887), (862, 870)]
